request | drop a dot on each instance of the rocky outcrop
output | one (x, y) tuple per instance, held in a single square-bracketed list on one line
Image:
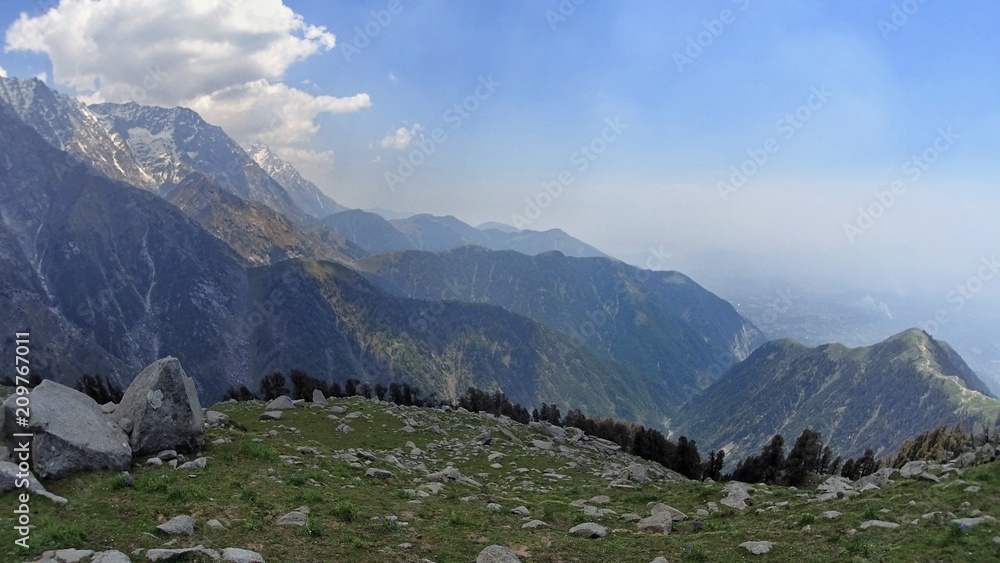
[(164, 410), (71, 434)]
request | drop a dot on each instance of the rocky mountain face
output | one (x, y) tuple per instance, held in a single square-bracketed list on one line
[(118, 272), (68, 125), (662, 324), (128, 278), (306, 195), (170, 144), (328, 319), (258, 233), (857, 398)]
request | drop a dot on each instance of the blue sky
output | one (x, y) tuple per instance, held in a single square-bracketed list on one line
[(888, 94)]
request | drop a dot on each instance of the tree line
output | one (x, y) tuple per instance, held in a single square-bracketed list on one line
[(808, 455)]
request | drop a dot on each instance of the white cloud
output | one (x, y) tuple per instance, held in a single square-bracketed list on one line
[(306, 157), (272, 113), (3, 73), (43, 77), (223, 58), (400, 138)]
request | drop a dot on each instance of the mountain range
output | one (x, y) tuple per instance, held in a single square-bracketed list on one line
[(132, 232), (856, 398)]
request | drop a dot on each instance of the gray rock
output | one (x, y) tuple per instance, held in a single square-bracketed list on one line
[(878, 524), (72, 555), (484, 438), (675, 515), (163, 405), (757, 547), (272, 415), (167, 455), (281, 403), (972, 489), (736, 495), (588, 530), (126, 424), (178, 525), (9, 480), (534, 524), (337, 409), (557, 433), (379, 473), (199, 463), (880, 478), (171, 554), (497, 554), (912, 469), (112, 556), (318, 398), (831, 515), (109, 407), (214, 524), (297, 517), (634, 472), (494, 507), (661, 522), (600, 499), (996, 540), (520, 511), (236, 555), (660, 560), (216, 418), (71, 434), (542, 444)]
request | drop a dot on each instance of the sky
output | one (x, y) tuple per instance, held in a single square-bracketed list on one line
[(848, 142)]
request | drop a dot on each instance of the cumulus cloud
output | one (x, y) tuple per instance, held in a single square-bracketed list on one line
[(400, 138), (272, 113), (3, 73), (223, 58)]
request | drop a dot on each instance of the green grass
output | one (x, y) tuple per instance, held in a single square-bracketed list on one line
[(247, 486)]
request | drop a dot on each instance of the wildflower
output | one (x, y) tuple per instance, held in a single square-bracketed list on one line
[(696, 525)]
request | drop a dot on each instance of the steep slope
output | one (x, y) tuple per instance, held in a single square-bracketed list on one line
[(662, 324), (258, 233), (124, 277), (875, 396), (306, 195), (339, 323), (68, 125), (367, 230), (118, 272), (170, 144)]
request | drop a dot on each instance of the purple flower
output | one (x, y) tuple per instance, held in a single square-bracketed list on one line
[(696, 525)]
